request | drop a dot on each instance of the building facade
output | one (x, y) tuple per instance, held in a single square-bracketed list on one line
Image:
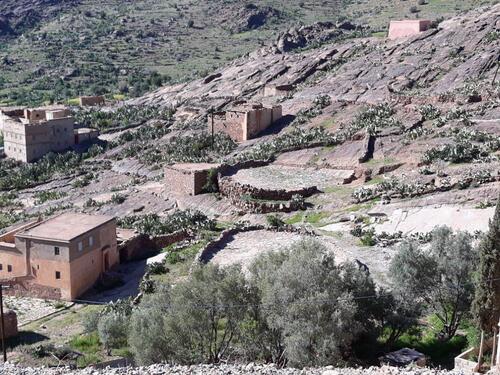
[(36, 133), (244, 122), (188, 178), (406, 28), (86, 101), (61, 257)]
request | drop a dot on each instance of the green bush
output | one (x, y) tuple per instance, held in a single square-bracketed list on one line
[(153, 224), (90, 320), (113, 329), (274, 221)]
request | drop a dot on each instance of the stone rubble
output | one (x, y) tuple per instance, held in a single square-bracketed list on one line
[(223, 369)]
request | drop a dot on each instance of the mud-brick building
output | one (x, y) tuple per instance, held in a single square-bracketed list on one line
[(188, 178), (36, 132), (61, 257), (244, 122), (89, 101), (406, 28)]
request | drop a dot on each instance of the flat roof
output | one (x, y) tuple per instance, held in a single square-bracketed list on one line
[(193, 167), (410, 21), (65, 227), (85, 130)]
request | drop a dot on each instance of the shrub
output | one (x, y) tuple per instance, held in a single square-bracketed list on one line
[(113, 329), (44, 196), (118, 198), (211, 303), (90, 320), (157, 268), (295, 139), (429, 112), (274, 221), (123, 116), (440, 278), (307, 301), (153, 224)]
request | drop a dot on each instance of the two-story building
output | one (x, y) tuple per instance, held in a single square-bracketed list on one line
[(61, 257), (244, 122), (37, 132)]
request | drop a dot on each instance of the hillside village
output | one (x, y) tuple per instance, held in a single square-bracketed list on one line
[(361, 170)]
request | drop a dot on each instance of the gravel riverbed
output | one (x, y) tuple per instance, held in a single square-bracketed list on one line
[(160, 369)]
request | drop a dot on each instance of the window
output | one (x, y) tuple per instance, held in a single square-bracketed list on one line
[(58, 275), (91, 241), (1, 266), (9, 268), (56, 250), (80, 246)]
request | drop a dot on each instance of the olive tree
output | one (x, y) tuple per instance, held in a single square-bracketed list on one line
[(196, 321), (440, 277), (309, 303)]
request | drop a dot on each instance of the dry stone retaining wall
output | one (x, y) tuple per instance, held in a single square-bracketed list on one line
[(207, 252)]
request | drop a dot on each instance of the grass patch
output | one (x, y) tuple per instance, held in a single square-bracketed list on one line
[(297, 218), (88, 344), (424, 340), (73, 101), (339, 190), (384, 161), (362, 206), (316, 217), (380, 34), (375, 180)]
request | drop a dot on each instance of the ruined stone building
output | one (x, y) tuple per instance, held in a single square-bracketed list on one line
[(277, 90), (36, 132), (244, 122), (188, 178), (405, 28), (58, 258), (89, 101)]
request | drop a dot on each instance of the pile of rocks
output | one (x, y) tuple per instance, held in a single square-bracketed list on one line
[(9, 369)]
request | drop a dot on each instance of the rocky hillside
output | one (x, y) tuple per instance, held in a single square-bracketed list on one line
[(460, 51), (55, 50)]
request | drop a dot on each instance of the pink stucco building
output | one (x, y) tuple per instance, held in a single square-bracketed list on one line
[(406, 28)]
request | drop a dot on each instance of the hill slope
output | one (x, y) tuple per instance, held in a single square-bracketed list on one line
[(55, 50)]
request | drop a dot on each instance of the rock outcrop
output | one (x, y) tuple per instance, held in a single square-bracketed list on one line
[(353, 70)]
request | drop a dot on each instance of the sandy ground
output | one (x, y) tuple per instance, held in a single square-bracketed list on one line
[(30, 309), (424, 219)]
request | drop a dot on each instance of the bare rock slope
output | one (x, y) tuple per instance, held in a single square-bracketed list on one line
[(365, 70)]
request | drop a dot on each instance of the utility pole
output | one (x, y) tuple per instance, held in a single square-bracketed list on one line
[(4, 348)]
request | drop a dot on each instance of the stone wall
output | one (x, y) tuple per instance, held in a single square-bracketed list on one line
[(230, 123), (91, 100), (10, 323), (233, 189), (143, 246), (207, 252), (30, 289), (252, 199)]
